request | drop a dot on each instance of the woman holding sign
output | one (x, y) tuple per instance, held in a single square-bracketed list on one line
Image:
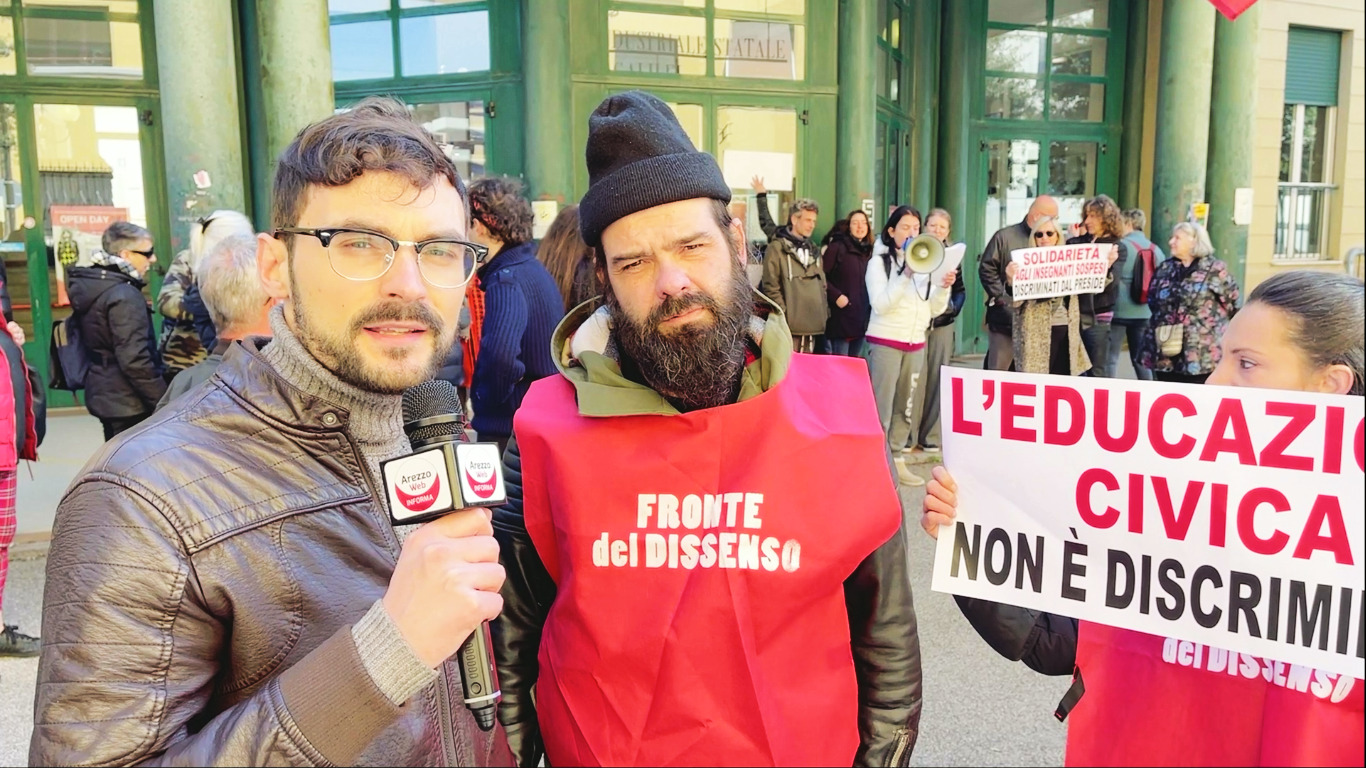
[(1133, 701), (1047, 332), (1192, 298)]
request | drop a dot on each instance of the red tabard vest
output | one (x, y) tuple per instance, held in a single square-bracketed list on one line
[(1158, 701), (700, 562)]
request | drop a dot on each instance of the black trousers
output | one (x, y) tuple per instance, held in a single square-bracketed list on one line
[(121, 423)]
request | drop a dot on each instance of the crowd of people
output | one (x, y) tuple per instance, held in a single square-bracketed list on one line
[(628, 367)]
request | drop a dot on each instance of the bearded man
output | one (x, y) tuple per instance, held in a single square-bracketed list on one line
[(703, 540)]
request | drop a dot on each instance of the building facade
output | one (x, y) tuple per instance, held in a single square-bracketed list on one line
[(160, 111)]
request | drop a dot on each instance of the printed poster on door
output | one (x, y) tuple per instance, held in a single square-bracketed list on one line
[(76, 233)]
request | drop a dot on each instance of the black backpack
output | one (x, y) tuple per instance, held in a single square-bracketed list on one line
[(69, 358)]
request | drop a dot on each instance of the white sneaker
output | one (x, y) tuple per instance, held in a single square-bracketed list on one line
[(905, 475)]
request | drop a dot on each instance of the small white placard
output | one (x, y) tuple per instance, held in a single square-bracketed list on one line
[(543, 214), (481, 474), (418, 485), (1242, 206)]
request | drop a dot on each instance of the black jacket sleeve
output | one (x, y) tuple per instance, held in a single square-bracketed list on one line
[(130, 331), (886, 649), (991, 268), (766, 222), (1045, 642), (957, 296), (527, 594), (5, 303)]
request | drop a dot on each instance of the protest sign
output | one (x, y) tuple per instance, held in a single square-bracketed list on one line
[(1060, 270), (1227, 517)]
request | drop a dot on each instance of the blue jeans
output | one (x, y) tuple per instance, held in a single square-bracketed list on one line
[(1095, 336), (1130, 330), (846, 347)]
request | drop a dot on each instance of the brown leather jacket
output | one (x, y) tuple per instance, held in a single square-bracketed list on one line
[(203, 576)]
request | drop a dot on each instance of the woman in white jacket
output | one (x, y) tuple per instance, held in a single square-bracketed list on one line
[(903, 304)]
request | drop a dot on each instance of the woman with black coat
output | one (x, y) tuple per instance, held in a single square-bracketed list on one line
[(1104, 223), (850, 245)]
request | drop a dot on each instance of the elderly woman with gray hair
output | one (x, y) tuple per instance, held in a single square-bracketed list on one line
[(1192, 297)]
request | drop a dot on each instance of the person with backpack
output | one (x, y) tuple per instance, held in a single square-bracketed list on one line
[(1139, 258), (124, 382)]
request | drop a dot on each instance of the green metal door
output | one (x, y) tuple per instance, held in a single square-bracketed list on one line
[(1047, 119)]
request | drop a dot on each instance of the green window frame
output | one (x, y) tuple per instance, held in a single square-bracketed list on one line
[(504, 53), (707, 11), (23, 91), (14, 13), (1050, 29), (894, 53)]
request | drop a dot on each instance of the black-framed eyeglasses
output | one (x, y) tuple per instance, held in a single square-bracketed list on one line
[(360, 255), (150, 253)]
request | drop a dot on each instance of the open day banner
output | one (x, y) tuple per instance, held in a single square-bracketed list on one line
[(1227, 517)]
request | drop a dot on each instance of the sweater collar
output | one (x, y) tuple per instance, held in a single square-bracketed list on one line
[(508, 257), (374, 418)]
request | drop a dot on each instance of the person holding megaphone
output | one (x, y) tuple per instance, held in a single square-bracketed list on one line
[(904, 300)]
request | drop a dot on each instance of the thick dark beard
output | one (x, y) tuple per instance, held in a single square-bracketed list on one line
[(338, 352), (698, 365)]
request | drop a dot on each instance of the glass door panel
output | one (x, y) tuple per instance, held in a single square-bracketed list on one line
[(1072, 177), (90, 174), (1012, 182), (690, 116), (459, 128), (758, 141), (12, 219)]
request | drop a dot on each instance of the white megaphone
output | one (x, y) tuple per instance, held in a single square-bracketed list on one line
[(924, 254)]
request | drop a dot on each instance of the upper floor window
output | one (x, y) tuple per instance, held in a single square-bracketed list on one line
[(892, 48), (1308, 131), (1046, 59), (722, 38), (73, 38), (385, 39)]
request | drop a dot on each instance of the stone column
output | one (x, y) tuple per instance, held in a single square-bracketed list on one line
[(856, 119), (1232, 117), (296, 68), (1183, 114), (200, 112)]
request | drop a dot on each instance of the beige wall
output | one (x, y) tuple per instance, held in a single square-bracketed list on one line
[(1347, 226)]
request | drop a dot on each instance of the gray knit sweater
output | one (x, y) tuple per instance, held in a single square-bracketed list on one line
[(375, 424)]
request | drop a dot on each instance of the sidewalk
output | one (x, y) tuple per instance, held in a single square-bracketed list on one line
[(72, 438)]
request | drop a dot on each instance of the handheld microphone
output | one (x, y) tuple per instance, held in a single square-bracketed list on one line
[(420, 488)]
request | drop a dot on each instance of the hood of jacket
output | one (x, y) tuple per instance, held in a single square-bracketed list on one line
[(86, 284), (587, 355), (797, 241)]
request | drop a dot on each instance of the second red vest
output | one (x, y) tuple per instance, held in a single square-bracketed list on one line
[(1159, 701)]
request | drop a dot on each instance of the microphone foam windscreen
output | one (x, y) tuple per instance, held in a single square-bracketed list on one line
[(430, 398)]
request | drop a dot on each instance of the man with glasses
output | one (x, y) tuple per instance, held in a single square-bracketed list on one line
[(124, 382), (996, 288), (522, 306), (224, 586)]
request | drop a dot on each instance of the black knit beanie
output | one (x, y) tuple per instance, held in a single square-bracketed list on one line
[(640, 157)]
